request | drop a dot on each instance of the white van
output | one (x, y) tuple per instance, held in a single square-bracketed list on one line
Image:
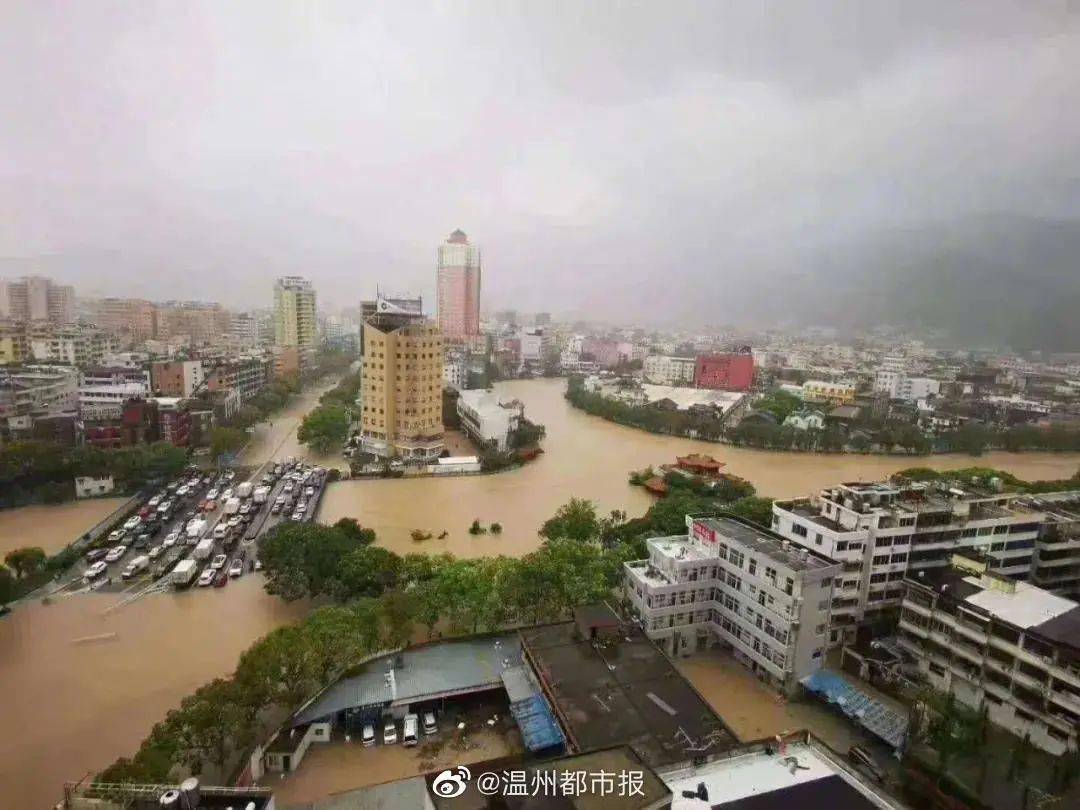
[(412, 729)]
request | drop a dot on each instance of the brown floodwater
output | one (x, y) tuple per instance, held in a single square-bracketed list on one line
[(79, 687), (52, 527), (587, 457)]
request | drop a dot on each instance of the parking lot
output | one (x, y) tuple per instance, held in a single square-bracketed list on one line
[(201, 529)]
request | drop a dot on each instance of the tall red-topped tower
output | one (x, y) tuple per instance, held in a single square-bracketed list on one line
[(458, 286)]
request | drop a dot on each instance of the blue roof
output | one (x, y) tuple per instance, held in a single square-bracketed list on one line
[(862, 707), (539, 730)]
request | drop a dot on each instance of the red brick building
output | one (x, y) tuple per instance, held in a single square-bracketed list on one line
[(733, 371)]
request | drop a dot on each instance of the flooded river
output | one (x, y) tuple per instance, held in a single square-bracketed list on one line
[(589, 458), (51, 527), (80, 687)]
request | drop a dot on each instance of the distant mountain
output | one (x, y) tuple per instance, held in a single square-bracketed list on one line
[(996, 280)]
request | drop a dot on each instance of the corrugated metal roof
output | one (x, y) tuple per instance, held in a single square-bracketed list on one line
[(448, 666)]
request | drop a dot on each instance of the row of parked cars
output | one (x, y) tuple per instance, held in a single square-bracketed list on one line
[(410, 730), (301, 485)]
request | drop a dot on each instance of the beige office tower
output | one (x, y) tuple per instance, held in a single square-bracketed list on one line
[(401, 395), (294, 312)]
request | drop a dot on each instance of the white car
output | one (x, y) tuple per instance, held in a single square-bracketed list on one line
[(156, 552), (115, 553), (220, 531), (164, 506), (95, 571), (288, 487), (227, 494), (212, 495), (132, 523), (368, 737), (236, 568), (171, 539), (297, 516), (117, 536), (389, 733), (234, 522), (206, 578), (182, 492), (154, 502), (309, 492), (218, 562), (430, 726)]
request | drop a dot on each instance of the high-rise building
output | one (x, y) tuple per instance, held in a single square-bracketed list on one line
[(128, 317), (402, 383), (35, 298), (294, 312), (458, 285), (200, 322)]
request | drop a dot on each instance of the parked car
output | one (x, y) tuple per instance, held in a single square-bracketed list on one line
[(228, 493), (171, 539), (410, 730), (258, 565), (297, 516), (236, 568), (430, 726), (309, 491), (222, 579), (863, 759), (288, 487), (183, 491), (156, 552), (219, 562), (245, 508), (132, 523), (142, 541), (212, 494), (115, 553), (367, 737), (206, 578), (220, 531), (95, 554), (154, 502), (389, 733)]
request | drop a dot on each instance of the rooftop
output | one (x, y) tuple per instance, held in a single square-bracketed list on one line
[(765, 542), (805, 776), (622, 691), (441, 668)]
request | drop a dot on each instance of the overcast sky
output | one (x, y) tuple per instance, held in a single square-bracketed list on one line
[(618, 159)]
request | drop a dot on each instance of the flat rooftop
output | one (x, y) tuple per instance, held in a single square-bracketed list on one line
[(763, 541), (802, 777), (622, 691), (438, 669)]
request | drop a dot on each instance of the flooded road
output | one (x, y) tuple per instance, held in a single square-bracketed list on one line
[(82, 688), (587, 457), (52, 527)]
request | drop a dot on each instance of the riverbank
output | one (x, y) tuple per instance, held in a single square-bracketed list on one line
[(905, 441)]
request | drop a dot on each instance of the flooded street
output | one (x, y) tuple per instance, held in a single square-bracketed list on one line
[(82, 688), (587, 457), (51, 527)]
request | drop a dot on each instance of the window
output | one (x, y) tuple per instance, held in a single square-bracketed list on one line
[(752, 566), (799, 529), (881, 559), (841, 545), (817, 538), (735, 558), (882, 542), (899, 558)]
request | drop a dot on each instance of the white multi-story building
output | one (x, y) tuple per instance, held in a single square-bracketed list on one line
[(80, 346), (732, 583), (35, 298), (898, 385), (535, 345), (997, 645), (879, 532), (664, 369), (294, 312), (1056, 564), (106, 400), (455, 372), (38, 390), (488, 420)]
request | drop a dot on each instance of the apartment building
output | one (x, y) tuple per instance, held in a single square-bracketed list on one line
[(731, 371), (731, 583), (401, 392), (80, 346), (176, 378), (665, 369), (31, 390), (879, 532), (247, 375), (1056, 563), (14, 346), (488, 420), (133, 318), (197, 322), (35, 298), (106, 400), (458, 278), (173, 420), (998, 645), (294, 312), (834, 393), (244, 329), (899, 385)]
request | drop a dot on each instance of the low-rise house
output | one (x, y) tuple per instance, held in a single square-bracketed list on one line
[(87, 486), (806, 419)]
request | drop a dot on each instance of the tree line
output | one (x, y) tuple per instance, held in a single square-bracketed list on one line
[(327, 425), (379, 602)]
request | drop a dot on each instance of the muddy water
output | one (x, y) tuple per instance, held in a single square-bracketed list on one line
[(81, 688), (51, 527), (590, 458)]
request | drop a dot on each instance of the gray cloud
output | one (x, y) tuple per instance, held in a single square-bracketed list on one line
[(622, 159)]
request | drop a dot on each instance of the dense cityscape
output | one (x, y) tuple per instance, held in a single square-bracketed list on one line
[(433, 533)]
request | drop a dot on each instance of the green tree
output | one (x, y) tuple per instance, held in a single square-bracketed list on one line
[(210, 724), (226, 441), (282, 668), (396, 612), (351, 528), (7, 585), (325, 428), (26, 561), (758, 510), (574, 520), (367, 571)]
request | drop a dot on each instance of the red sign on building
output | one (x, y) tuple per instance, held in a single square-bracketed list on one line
[(702, 533)]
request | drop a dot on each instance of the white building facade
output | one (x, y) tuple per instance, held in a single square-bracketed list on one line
[(878, 532), (728, 582), (488, 420), (664, 369)]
